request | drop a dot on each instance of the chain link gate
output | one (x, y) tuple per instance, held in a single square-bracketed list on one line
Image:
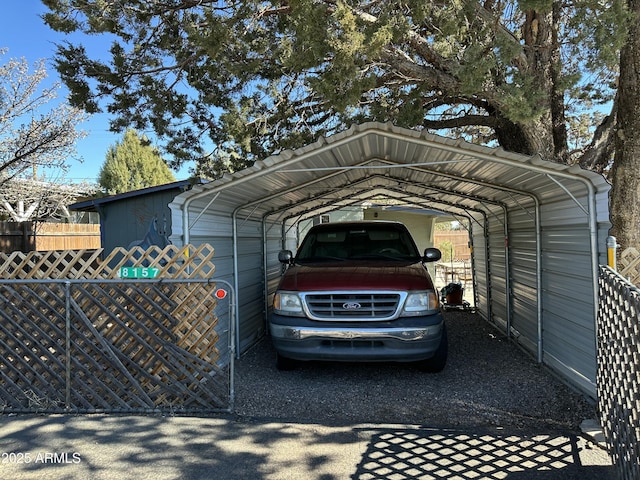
[(116, 346)]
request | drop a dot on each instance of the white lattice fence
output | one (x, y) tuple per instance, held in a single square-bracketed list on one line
[(629, 265), (173, 262)]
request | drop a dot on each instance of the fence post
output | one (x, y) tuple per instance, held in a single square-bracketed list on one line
[(612, 247), (25, 237), (67, 308)]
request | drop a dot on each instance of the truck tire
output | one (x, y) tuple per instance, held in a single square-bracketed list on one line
[(285, 363), (437, 363)]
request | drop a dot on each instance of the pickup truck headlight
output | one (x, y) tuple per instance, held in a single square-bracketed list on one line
[(420, 303), (287, 303)]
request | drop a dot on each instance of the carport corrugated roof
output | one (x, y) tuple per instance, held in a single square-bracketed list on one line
[(376, 160), (382, 156)]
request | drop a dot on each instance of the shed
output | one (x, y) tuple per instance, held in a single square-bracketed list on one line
[(538, 229), (136, 217)]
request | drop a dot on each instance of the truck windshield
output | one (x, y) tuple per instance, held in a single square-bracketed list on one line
[(359, 242)]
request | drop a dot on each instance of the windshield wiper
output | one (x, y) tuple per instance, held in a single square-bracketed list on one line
[(378, 255), (320, 258)]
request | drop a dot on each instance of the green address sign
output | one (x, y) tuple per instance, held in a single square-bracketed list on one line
[(138, 272)]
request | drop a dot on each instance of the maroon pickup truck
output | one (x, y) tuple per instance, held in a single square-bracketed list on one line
[(358, 291)]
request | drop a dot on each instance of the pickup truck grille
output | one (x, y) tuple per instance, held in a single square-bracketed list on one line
[(353, 306)]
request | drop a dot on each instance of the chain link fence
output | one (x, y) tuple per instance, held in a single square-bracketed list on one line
[(618, 377)]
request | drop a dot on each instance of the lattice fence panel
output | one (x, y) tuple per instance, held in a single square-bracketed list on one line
[(172, 262), (629, 265), (618, 375), (32, 347), (132, 345)]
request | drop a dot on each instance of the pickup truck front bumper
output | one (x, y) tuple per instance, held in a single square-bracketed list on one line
[(403, 340)]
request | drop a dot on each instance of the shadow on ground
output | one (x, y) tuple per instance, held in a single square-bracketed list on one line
[(111, 447), (449, 454)]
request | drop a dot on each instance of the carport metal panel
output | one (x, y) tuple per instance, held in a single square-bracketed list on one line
[(414, 198), (457, 160)]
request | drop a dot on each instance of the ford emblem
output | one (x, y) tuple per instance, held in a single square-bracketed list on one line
[(351, 306)]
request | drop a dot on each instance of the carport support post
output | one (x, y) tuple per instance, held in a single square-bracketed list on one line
[(507, 272), (265, 275), (236, 282), (539, 312)]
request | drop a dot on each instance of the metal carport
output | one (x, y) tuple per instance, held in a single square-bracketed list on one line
[(538, 229)]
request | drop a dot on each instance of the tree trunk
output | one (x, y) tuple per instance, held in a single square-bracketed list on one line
[(547, 135), (534, 138), (625, 175)]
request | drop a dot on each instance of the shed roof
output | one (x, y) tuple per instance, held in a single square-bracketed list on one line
[(92, 204)]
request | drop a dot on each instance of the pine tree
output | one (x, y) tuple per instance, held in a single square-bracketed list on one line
[(133, 164), (227, 83)]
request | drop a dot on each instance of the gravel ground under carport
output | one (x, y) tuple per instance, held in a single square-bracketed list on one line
[(488, 381)]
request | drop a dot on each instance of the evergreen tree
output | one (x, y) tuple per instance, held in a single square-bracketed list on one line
[(226, 83), (133, 164)]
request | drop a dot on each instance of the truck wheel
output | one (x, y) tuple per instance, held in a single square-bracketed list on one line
[(285, 363), (437, 363)]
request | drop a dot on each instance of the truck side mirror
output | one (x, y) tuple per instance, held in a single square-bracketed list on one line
[(285, 256), (431, 255)]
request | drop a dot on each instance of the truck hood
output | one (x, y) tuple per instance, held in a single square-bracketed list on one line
[(361, 276)]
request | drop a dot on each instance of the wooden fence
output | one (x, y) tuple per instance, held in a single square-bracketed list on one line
[(453, 241), (30, 236), (75, 337)]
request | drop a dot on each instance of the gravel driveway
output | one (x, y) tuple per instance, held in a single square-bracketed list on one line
[(487, 382)]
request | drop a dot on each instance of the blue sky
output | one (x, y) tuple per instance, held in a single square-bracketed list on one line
[(24, 33)]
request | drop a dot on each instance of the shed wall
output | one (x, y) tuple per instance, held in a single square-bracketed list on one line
[(127, 221)]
